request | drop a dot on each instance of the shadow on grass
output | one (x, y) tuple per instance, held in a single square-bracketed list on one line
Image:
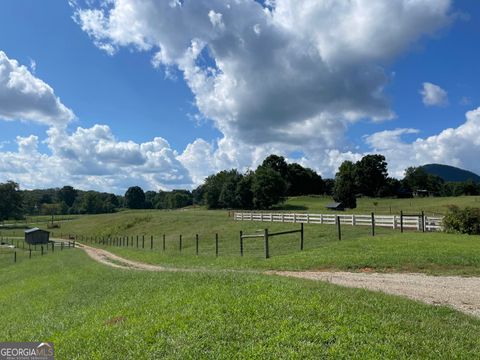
[(289, 207)]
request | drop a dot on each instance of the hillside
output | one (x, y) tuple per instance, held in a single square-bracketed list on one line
[(450, 173)]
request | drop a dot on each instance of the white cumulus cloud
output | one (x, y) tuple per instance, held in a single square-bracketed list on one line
[(433, 95), (25, 97), (288, 72), (454, 146)]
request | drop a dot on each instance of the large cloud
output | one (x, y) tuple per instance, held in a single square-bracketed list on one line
[(455, 146), (93, 159), (296, 73), (25, 97)]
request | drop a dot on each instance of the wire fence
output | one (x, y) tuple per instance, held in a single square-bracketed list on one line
[(283, 239), (16, 250)]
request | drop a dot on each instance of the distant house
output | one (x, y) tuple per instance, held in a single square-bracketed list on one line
[(36, 236), (336, 206)]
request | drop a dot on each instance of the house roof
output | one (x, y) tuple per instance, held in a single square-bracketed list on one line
[(32, 230), (334, 205)]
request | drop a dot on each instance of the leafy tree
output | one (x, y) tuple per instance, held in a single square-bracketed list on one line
[(303, 181), (150, 199), (345, 185), (198, 195), (178, 199), (67, 194), (371, 174), (10, 201), (214, 187), (268, 187), (278, 164), (244, 192), (329, 186), (228, 195), (135, 198), (416, 178), (92, 203)]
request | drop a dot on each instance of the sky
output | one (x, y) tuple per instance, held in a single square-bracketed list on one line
[(104, 95)]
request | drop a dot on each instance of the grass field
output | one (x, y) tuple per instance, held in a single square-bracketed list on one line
[(430, 205), (91, 311), (94, 312)]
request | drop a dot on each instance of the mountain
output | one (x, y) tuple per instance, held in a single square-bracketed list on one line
[(450, 173)]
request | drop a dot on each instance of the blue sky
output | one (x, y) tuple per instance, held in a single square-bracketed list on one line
[(222, 85)]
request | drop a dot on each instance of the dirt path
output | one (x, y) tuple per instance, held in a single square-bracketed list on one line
[(461, 293)]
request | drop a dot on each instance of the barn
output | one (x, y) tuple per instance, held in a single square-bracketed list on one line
[(37, 236)]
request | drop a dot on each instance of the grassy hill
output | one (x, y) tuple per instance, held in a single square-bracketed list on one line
[(91, 311), (451, 173)]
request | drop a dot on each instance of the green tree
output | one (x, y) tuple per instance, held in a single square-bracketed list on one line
[(10, 201), (67, 194), (135, 198), (345, 185), (268, 187), (416, 178), (278, 164), (215, 190), (371, 174), (91, 203), (303, 181), (244, 192)]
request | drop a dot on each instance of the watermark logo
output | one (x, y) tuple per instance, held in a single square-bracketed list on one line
[(26, 351)]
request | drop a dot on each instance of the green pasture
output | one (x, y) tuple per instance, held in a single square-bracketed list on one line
[(91, 311)]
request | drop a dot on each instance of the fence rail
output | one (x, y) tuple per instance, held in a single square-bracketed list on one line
[(415, 222)]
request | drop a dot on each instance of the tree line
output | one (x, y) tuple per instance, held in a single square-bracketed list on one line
[(269, 184)]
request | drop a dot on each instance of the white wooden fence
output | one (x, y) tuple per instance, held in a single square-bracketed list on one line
[(432, 223)]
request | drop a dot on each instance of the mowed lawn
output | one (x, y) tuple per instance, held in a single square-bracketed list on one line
[(91, 311)]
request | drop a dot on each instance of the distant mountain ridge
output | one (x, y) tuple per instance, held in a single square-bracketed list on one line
[(450, 173)]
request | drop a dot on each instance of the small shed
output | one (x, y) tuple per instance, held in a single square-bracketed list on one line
[(37, 236), (336, 206)]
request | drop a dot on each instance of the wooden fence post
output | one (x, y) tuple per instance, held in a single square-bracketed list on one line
[(30, 253), (151, 242), (180, 243), (216, 244), (196, 244), (42, 249), (373, 224), (401, 221), (137, 242), (339, 228), (163, 242), (143, 241), (423, 221), (14, 256), (241, 243), (301, 236), (265, 236)]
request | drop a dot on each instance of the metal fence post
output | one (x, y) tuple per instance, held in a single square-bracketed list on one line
[(216, 244), (267, 252), (373, 224), (241, 243), (301, 236), (339, 228), (401, 221)]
